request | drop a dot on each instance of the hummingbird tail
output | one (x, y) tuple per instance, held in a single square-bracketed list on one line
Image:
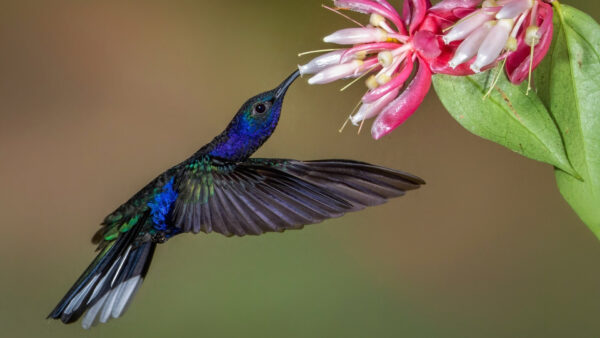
[(108, 285)]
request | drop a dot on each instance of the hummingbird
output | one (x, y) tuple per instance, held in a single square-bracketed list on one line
[(222, 189)]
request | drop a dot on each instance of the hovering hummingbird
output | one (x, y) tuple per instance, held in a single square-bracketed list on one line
[(221, 189)]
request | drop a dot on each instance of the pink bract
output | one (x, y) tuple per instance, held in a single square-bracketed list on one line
[(518, 63), (399, 110)]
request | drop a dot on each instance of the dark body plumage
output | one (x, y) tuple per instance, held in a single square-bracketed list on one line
[(221, 189)]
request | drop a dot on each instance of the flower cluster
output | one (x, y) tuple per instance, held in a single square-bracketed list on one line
[(517, 31), (398, 52)]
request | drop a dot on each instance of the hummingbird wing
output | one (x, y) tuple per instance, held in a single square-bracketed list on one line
[(265, 195)]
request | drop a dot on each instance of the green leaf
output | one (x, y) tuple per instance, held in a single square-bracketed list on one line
[(568, 83), (508, 116)]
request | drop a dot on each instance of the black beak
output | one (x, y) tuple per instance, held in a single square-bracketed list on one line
[(286, 84)]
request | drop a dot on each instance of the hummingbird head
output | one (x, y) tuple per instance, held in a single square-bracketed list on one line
[(260, 114), (254, 123)]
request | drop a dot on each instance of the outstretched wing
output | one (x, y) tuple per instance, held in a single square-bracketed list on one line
[(264, 195)]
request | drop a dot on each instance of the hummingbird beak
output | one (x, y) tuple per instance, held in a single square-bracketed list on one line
[(280, 91)]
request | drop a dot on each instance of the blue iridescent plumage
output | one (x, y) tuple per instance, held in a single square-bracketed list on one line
[(248, 130), (161, 205)]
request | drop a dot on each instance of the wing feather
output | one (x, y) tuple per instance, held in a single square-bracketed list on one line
[(267, 195)]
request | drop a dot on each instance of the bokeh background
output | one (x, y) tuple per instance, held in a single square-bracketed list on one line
[(97, 97)]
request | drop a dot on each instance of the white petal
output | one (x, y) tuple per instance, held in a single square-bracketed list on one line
[(370, 110), (468, 48), (514, 9), (321, 62), (352, 36), (468, 25), (336, 72), (493, 44)]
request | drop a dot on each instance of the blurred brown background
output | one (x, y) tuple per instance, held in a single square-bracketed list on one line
[(97, 97)]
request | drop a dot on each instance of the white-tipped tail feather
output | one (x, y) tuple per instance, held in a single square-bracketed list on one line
[(109, 284), (113, 304)]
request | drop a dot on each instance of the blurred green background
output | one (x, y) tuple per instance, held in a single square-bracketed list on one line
[(97, 97)]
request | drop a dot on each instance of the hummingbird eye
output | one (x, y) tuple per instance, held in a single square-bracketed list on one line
[(261, 108)]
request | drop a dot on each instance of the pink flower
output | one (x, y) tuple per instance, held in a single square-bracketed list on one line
[(455, 37), (385, 52), (518, 32)]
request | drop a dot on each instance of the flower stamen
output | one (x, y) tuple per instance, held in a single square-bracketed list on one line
[(358, 78), (360, 127), (318, 51), (385, 58), (337, 11), (530, 69), (371, 82), (349, 117), (379, 21), (496, 78), (345, 123)]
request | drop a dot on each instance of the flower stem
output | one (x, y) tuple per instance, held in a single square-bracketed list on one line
[(496, 78)]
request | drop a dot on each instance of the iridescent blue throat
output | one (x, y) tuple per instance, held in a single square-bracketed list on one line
[(245, 134)]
